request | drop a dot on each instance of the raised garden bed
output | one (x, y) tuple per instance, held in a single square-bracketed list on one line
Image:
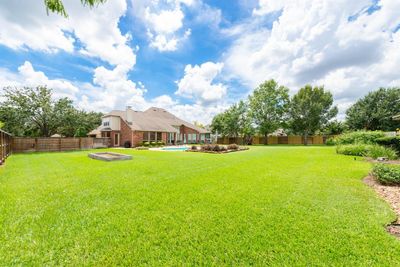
[(217, 149), (109, 156)]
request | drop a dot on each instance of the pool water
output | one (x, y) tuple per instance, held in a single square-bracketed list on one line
[(183, 148)]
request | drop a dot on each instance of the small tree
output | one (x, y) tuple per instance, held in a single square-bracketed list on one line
[(310, 109), (269, 104)]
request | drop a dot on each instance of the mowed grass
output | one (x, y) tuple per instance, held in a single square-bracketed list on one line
[(278, 205)]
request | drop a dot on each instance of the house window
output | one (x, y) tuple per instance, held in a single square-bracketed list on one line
[(145, 136), (106, 134), (152, 136), (106, 123), (159, 136)]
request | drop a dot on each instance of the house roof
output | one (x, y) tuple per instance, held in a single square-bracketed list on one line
[(154, 119)]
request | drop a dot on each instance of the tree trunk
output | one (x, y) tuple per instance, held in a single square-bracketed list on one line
[(305, 138), (266, 139)]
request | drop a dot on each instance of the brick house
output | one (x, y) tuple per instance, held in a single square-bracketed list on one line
[(154, 124)]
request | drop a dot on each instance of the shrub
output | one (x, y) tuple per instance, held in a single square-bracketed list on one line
[(387, 174), (127, 144), (352, 150), (194, 147), (359, 137), (373, 151), (222, 148), (216, 148), (160, 143), (233, 147), (330, 142), (146, 144), (206, 148), (393, 142), (152, 143), (376, 151)]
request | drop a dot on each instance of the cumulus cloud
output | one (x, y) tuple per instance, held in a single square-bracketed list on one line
[(25, 25), (197, 83), (28, 76), (347, 46)]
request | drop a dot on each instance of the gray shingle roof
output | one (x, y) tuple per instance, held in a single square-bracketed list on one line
[(154, 119)]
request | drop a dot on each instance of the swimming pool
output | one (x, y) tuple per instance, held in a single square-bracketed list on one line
[(180, 148)]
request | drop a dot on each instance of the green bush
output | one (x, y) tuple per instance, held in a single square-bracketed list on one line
[(330, 142), (160, 143), (363, 150), (393, 142), (152, 143), (387, 174), (376, 151), (359, 137), (146, 144), (353, 150)]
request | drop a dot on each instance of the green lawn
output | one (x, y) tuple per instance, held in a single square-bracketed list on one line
[(277, 205)]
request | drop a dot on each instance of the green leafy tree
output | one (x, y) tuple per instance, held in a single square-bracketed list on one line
[(57, 6), (33, 112), (310, 110), (269, 104), (375, 111), (334, 127), (1, 124)]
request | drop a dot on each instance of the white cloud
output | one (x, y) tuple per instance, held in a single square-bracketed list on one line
[(315, 42), (28, 76), (197, 83), (26, 25)]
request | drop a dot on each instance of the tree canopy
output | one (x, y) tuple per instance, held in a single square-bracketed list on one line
[(57, 6), (310, 109), (31, 111), (269, 104), (375, 111)]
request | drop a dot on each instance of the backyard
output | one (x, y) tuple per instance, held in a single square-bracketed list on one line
[(277, 205)]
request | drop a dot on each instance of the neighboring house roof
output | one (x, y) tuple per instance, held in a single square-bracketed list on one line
[(96, 131), (154, 119)]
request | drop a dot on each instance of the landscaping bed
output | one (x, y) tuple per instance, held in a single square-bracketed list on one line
[(217, 149), (391, 194)]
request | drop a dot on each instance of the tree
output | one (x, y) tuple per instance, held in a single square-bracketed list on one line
[(268, 107), (375, 111), (33, 112), (310, 110), (234, 122), (57, 6), (1, 124), (334, 127)]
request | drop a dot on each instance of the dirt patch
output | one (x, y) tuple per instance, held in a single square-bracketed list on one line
[(392, 195)]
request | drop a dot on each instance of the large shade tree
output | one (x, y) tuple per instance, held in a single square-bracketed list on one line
[(269, 104), (310, 110), (375, 111), (32, 111), (57, 6)]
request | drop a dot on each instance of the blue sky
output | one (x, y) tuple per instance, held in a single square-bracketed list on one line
[(197, 57)]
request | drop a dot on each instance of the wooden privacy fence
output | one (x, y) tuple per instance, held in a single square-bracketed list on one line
[(276, 140), (5, 146), (44, 144)]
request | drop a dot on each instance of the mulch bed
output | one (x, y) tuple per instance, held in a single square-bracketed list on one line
[(392, 195), (218, 152)]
